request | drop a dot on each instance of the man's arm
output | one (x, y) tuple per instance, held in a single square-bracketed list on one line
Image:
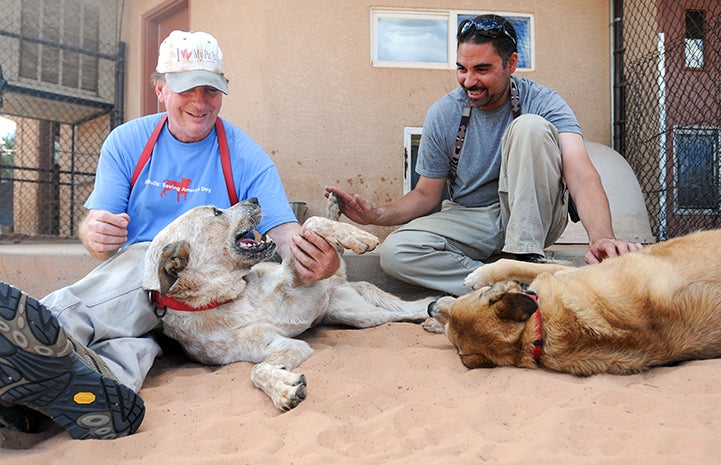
[(584, 186), (420, 201)]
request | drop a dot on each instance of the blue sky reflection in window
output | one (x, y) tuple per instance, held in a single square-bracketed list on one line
[(412, 39), (522, 25)]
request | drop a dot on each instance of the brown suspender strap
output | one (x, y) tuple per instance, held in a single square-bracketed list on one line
[(515, 100), (224, 156), (463, 127), (460, 138)]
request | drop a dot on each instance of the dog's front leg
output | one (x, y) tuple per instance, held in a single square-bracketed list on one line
[(345, 235), (273, 376), (505, 269)]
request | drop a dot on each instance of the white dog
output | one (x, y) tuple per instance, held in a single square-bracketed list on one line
[(225, 302)]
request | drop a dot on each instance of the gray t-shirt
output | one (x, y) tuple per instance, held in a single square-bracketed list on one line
[(476, 183)]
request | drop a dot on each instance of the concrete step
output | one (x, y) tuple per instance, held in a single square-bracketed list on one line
[(41, 267)]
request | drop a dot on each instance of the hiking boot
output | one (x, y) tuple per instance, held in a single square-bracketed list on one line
[(43, 369)]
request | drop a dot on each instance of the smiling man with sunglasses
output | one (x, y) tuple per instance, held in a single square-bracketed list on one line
[(509, 151)]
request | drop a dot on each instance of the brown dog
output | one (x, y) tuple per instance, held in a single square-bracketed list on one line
[(657, 306)]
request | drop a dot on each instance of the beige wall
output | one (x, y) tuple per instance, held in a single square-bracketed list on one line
[(302, 85)]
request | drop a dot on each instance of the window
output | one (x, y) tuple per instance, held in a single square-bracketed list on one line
[(427, 39), (411, 141), (410, 40), (694, 42), (696, 160), (64, 36)]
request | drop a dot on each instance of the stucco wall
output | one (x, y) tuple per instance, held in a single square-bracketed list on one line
[(302, 85)]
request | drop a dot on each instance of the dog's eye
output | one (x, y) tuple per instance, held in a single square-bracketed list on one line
[(217, 212)]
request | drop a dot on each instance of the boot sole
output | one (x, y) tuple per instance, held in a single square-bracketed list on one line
[(40, 369)]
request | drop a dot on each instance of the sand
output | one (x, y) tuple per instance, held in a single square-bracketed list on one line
[(398, 395)]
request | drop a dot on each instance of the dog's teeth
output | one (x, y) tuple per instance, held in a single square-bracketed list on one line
[(259, 243)]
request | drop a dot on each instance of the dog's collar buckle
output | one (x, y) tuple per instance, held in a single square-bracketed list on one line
[(161, 304), (153, 300)]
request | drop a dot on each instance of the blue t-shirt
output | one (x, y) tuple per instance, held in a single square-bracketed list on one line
[(479, 164), (180, 176)]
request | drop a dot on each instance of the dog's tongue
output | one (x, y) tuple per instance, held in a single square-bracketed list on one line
[(247, 241), (257, 237)]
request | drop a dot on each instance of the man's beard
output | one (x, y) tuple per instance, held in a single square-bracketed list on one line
[(489, 99)]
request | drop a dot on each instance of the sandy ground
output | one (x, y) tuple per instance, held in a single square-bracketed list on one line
[(398, 395)]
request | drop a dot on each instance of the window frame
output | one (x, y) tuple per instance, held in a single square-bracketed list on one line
[(452, 20), (695, 45), (714, 134), (67, 55)]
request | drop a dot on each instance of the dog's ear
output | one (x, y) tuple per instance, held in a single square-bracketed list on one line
[(515, 306), (173, 260)]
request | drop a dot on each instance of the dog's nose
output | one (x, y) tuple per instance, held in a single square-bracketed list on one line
[(253, 200), (430, 308)]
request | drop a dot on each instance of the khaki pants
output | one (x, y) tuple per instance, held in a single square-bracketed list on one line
[(439, 250), (108, 312)]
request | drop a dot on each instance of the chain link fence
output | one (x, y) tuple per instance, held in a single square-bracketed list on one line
[(668, 108), (60, 70)]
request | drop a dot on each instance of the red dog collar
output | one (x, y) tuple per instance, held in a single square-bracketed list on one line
[(538, 342), (163, 303)]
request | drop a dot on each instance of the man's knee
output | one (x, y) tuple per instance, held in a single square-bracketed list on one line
[(530, 124), (389, 255), (403, 248), (533, 140)]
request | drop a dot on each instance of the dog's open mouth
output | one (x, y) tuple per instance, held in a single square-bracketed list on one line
[(255, 244)]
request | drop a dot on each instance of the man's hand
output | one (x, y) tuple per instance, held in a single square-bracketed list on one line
[(103, 232), (607, 247), (353, 206), (315, 257)]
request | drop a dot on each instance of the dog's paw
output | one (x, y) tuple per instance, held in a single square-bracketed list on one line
[(358, 241), (290, 390), (285, 388), (293, 395), (433, 326), (490, 273), (345, 235), (332, 208), (478, 278)]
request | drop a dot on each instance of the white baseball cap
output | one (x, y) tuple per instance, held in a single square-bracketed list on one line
[(191, 59)]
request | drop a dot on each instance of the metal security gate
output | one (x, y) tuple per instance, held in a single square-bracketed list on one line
[(61, 70), (667, 108)]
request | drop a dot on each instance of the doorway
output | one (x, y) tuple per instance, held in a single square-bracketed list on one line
[(157, 24)]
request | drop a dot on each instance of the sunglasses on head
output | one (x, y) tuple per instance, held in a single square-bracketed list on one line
[(484, 27)]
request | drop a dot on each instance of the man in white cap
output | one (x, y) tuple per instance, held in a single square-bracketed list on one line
[(81, 354)]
